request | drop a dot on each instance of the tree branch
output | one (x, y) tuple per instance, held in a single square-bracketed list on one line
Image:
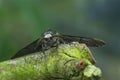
[(67, 62)]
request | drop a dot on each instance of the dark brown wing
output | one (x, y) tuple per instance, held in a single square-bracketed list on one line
[(31, 48), (88, 41)]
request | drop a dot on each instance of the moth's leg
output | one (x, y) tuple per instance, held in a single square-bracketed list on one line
[(56, 44), (90, 54), (44, 47), (92, 58), (39, 42), (42, 51)]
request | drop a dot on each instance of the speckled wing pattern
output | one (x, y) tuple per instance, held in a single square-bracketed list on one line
[(31, 48), (91, 42)]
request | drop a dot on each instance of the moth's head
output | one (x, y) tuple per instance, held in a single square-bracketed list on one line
[(49, 33)]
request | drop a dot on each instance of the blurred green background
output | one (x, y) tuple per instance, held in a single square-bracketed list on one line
[(23, 21)]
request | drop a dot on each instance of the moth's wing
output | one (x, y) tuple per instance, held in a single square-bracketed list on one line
[(92, 42), (29, 49)]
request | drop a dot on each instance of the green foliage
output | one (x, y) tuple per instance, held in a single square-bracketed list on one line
[(21, 21)]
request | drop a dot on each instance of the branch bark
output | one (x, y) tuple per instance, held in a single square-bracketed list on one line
[(67, 62)]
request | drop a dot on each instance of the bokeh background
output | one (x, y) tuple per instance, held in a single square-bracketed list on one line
[(23, 21)]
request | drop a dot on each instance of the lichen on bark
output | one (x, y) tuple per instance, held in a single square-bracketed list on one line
[(68, 62)]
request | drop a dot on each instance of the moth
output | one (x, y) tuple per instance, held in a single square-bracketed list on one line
[(51, 38)]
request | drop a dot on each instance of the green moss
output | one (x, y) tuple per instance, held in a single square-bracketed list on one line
[(68, 62)]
